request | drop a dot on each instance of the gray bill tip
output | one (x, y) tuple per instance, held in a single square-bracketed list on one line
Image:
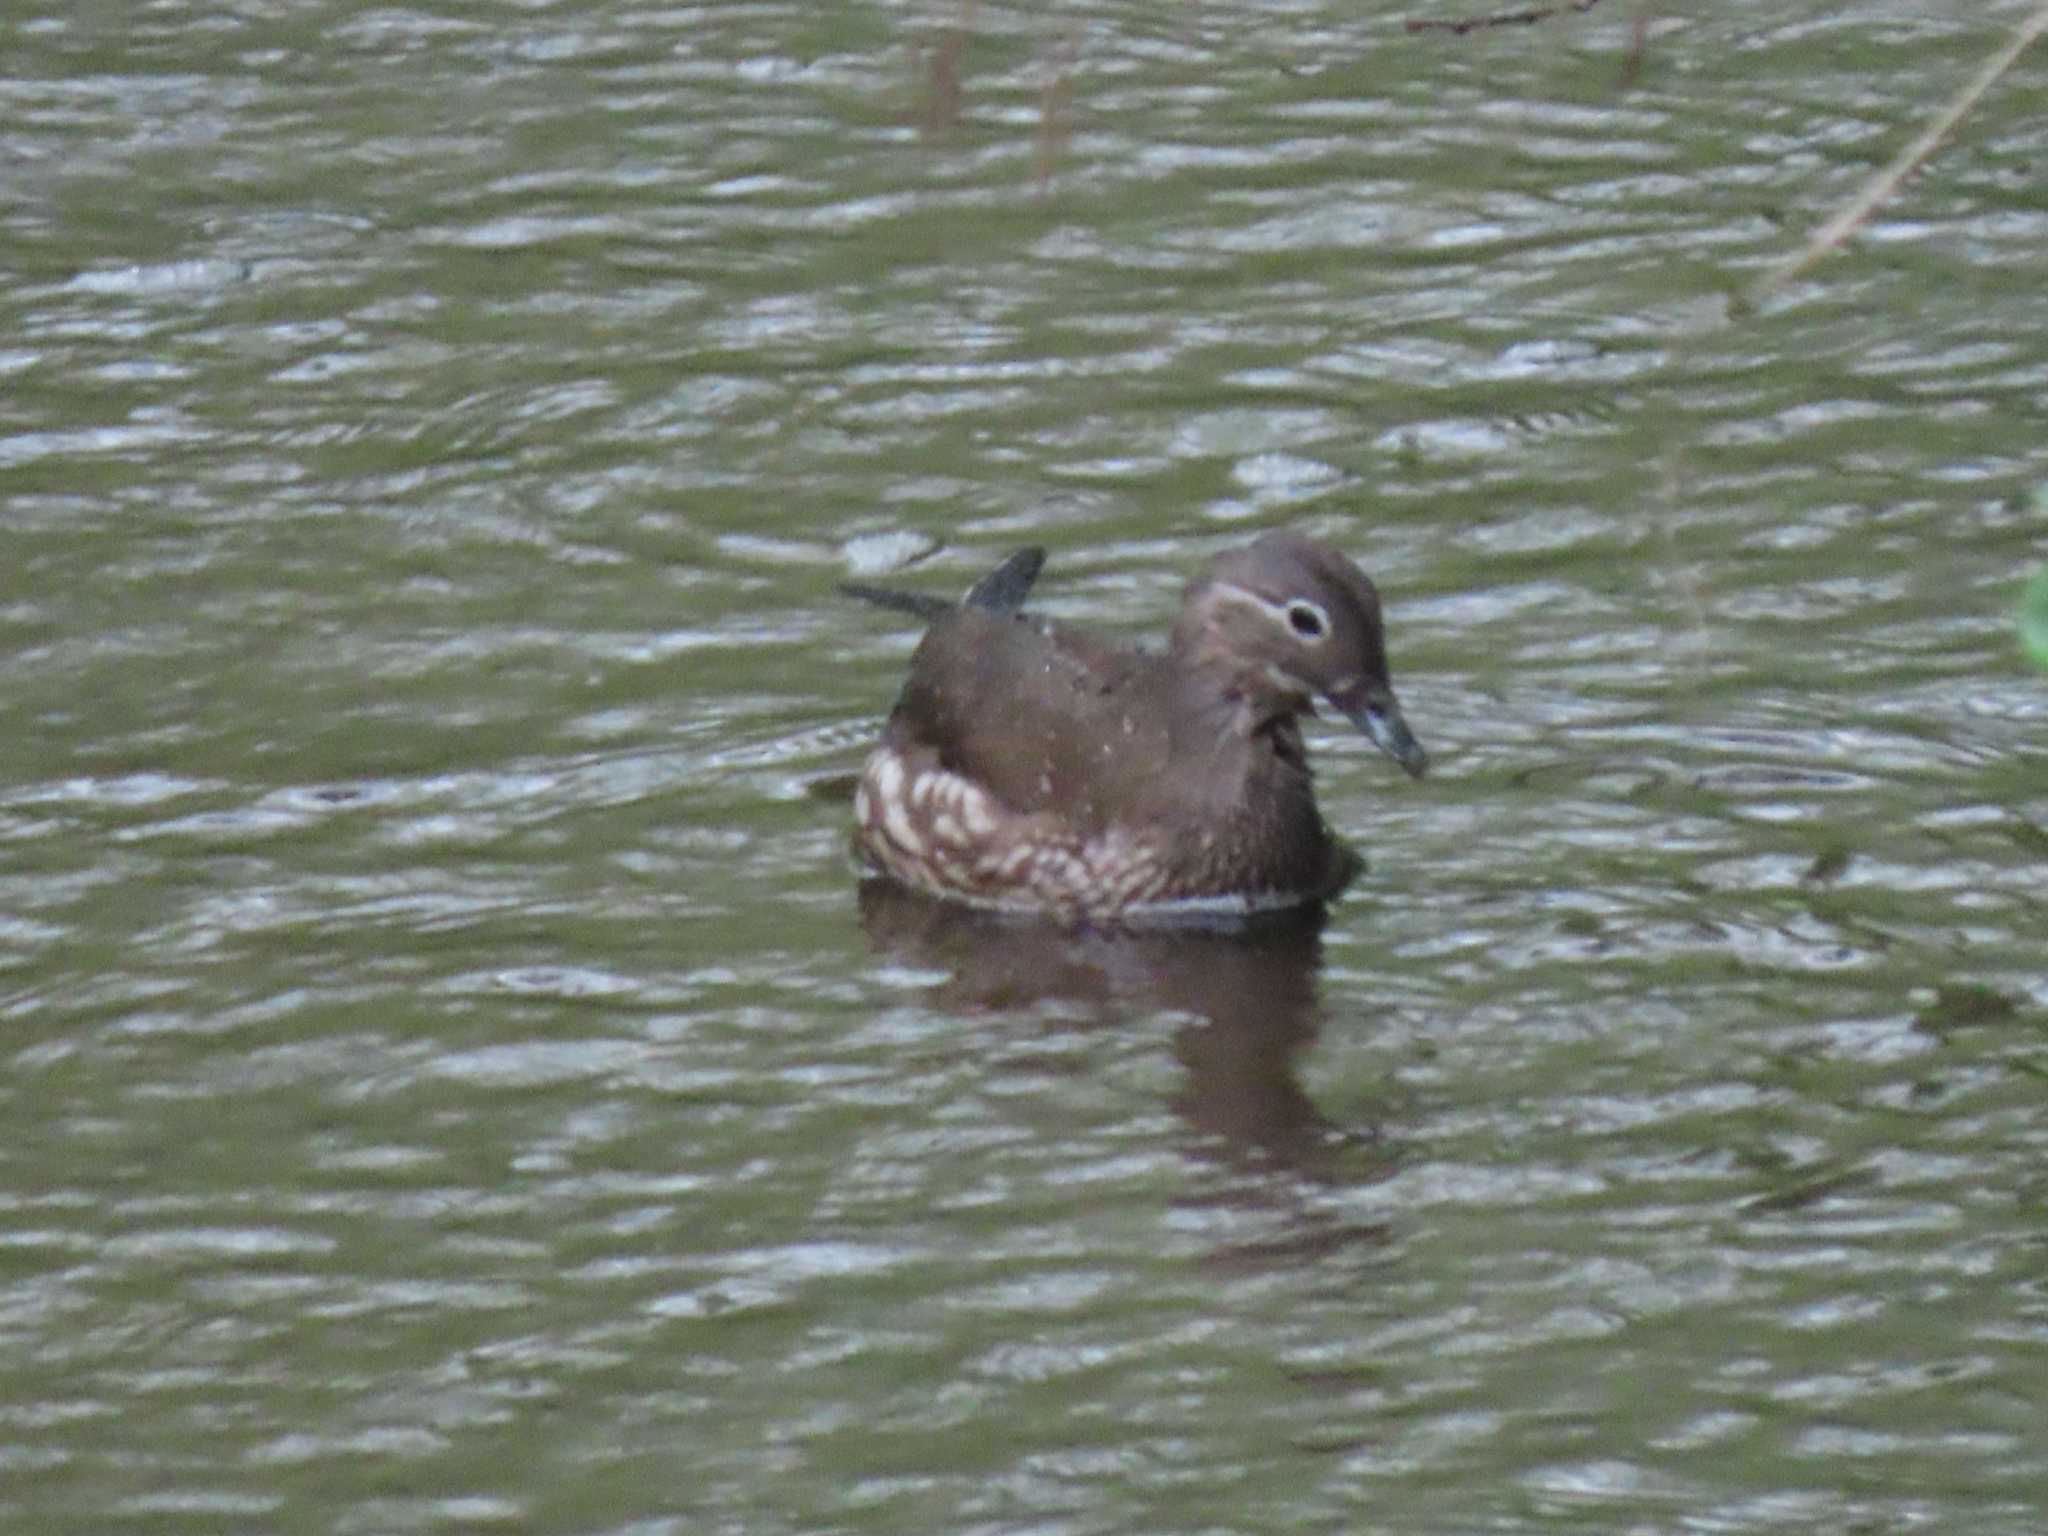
[(1381, 720)]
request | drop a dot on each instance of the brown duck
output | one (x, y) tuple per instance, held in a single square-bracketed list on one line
[(1035, 768)]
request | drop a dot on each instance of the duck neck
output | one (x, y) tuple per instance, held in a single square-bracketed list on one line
[(1239, 741)]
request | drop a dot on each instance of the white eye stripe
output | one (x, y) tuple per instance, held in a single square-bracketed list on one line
[(1302, 617)]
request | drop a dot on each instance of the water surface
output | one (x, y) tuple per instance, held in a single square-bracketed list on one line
[(453, 1081)]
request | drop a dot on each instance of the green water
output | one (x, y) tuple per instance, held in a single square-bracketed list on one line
[(452, 1082)]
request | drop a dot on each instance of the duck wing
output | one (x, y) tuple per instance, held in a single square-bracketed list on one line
[(1045, 718)]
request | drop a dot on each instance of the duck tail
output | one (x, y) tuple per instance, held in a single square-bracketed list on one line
[(914, 603), (1002, 590)]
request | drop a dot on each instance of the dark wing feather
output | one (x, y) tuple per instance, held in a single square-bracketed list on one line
[(1002, 590)]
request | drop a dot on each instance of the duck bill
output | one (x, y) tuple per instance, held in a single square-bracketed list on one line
[(1375, 711)]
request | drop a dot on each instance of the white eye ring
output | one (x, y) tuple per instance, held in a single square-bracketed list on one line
[(1307, 619)]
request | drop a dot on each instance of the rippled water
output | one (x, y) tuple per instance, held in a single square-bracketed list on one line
[(452, 1079)]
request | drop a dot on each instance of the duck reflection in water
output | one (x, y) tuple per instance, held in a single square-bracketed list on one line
[(1249, 994)]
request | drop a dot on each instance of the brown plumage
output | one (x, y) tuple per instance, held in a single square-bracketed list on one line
[(1034, 767)]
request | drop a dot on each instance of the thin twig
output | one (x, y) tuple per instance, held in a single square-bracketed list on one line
[(1527, 18), (1055, 102), (1858, 209), (943, 93)]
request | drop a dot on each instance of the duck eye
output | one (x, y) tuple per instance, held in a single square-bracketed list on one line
[(1307, 620)]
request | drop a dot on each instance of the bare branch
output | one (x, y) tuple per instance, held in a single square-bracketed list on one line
[(1857, 211), (1527, 18)]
